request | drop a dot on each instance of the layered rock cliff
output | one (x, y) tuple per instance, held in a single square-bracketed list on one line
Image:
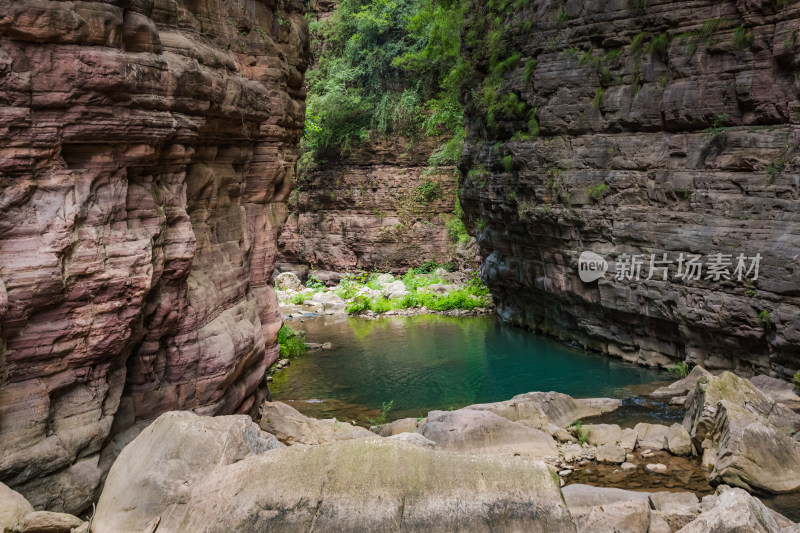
[(148, 148), (376, 207), (641, 128)]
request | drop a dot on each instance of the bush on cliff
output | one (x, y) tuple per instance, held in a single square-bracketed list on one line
[(292, 342)]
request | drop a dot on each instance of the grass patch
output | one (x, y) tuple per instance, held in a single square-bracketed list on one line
[(292, 342), (680, 369)]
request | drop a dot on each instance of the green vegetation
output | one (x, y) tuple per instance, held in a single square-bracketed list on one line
[(385, 408), (741, 37), (527, 74), (764, 319), (428, 191), (388, 67), (595, 193), (580, 432), (716, 129), (599, 94), (775, 168), (680, 369), (292, 342), (313, 282), (797, 380)]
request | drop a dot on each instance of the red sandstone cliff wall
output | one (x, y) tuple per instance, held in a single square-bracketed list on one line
[(147, 148)]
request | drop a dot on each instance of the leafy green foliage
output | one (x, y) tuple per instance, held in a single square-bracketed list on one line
[(292, 342), (716, 129), (764, 319), (681, 369), (595, 193), (797, 380), (599, 94), (428, 191), (580, 432), (313, 282)]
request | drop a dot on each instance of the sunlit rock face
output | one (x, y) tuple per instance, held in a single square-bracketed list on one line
[(664, 127), (147, 150)]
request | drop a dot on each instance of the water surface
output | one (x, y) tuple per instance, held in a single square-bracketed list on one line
[(431, 362)]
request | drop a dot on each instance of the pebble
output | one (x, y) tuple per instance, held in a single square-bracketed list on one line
[(565, 473), (656, 468), (626, 466)]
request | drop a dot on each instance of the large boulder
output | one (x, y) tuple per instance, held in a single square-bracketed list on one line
[(13, 507), (287, 281), (651, 436), (684, 386), (158, 468), (779, 390), (599, 434), (734, 511), (525, 412), (563, 410), (469, 430), (403, 425), (749, 436), (395, 289), (331, 302), (292, 427), (678, 440), (374, 484)]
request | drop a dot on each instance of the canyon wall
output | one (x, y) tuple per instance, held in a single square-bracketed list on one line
[(148, 148), (658, 127), (376, 207)]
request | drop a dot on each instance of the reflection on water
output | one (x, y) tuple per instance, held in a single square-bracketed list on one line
[(430, 362)]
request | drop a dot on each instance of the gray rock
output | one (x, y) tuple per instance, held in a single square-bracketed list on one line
[(581, 499), (619, 517), (679, 442), (751, 436), (670, 501), (656, 468), (599, 434), (778, 390), (628, 439), (288, 281), (651, 436), (369, 484), (469, 430), (13, 507), (414, 438), (734, 510), (292, 427), (563, 410), (610, 454), (47, 522), (683, 386), (403, 425), (527, 413)]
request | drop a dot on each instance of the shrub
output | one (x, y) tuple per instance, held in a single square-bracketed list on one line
[(313, 282), (427, 191), (596, 192), (292, 342), (358, 305), (297, 299), (797, 380), (716, 129), (580, 432), (530, 65), (764, 319), (599, 94), (680, 369)]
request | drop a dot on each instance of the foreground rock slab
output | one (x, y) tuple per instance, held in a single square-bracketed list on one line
[(374, 484), (734, 511), (49, 522)]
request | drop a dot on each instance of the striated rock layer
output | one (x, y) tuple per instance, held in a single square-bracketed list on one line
[(369, 210), (664, 127), (147, 150)]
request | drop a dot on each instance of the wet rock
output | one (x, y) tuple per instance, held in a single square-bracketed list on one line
[(651, 436), (610, 454), (778, 390), (751, 436), (13, 507), (288, 281), (683, 386), (369, 484), (734, 510), (469, 430), (599, 434), (679, 442), (49, 522), (292, 427)]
